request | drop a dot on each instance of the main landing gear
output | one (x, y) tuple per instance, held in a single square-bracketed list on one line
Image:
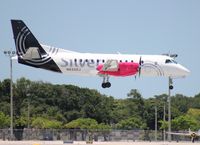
[(106, 83), (170, 84)]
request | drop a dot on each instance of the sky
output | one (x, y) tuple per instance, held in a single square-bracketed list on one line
[(109, 26)]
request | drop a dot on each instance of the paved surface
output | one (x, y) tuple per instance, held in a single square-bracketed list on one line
[(94, 143)]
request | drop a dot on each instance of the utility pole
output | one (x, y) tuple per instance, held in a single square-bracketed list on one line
[(169, 108), (164, 132), (11, 54), (170, 87), (156, 122), (28, 113), (28, 104)]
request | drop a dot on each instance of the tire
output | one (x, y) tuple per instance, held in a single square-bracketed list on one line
[(108, 85), (103, 85), (171, 87)]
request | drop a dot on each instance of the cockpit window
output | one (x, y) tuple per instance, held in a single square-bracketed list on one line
[(170, 61), (174, 61)]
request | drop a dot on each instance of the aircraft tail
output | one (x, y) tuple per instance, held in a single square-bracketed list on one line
[(29, 50)]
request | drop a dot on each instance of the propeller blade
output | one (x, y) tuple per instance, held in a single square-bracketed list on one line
[(139, 71), (140, 61), (139, 67), (140, 64)]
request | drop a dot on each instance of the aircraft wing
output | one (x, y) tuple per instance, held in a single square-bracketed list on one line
[(179, 133), (111, 65)]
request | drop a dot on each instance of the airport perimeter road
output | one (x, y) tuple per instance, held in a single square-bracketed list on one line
[(95, 143)]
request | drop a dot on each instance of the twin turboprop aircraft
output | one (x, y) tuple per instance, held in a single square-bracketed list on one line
[(31, 52)]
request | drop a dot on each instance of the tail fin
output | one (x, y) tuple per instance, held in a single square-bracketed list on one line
[(24, 39), (29, 50)]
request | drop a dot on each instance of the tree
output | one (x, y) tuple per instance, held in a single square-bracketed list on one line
[(194, 113), (184, 123), (135, 103), (131, 123), (55, 105), (119, 111), (21, 122), (43, 123), (82, 123), (164, 124), (181, 103), (5, 86), (4, 120)]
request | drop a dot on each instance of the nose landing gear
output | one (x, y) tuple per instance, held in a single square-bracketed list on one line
[(106, 83), (170, 84)]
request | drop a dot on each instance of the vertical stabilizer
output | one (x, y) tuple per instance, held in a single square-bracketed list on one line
[(29, 50)]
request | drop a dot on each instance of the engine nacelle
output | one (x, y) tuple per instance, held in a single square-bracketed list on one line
[(124, 69)]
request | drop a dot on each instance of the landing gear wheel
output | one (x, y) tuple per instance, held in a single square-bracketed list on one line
[(171, 87), (103, 85), (108, 85)]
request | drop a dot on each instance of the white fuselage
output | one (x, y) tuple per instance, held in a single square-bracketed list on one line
[(31, 53), (86, 63)]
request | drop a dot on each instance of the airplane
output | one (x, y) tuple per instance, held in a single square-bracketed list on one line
[(30, 52), (192, 134)]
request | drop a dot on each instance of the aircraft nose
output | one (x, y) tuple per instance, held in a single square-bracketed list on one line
[(184, 71)]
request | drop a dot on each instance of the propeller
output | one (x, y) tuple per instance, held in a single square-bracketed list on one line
[(140, 65)]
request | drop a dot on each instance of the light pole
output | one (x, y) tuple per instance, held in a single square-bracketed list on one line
[(169, 107), (156, 122), (170, 87), (11, 54), (28, 114), (164, 133)]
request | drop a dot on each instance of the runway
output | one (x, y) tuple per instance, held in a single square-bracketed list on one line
[(94, 143)]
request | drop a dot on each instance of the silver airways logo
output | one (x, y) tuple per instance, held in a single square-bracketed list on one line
[(79, 63), (21, 47)]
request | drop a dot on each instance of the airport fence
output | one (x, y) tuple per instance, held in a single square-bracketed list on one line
[(86, 135)]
